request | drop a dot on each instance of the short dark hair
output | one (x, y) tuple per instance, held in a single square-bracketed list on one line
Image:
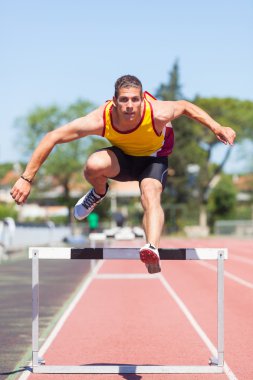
[(127, 81)]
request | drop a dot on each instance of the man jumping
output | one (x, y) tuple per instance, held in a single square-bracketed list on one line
[(139, 128)]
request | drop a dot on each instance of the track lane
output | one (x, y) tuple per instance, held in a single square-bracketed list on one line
[(240, 259), (238, 305)]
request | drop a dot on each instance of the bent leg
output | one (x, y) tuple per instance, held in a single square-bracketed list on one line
[(100, 166), (153, 218)]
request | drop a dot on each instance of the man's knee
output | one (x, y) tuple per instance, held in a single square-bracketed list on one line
[(104, 163), (151, 192), (94, 165)]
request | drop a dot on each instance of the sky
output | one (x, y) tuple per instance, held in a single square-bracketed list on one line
[(56, 51)]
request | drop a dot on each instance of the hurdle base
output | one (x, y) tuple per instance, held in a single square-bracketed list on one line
[(122, 369)]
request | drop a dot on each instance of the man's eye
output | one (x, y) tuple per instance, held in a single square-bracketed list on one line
[(135, 99)]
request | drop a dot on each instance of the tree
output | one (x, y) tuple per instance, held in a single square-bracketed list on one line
[(186, 151), (172, 89), (246, 154), (7, 210), (5, 168), (237, 114), (196, 144), (66, 159), (222, 200)]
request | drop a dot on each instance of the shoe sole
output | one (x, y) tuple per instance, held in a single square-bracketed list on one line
[(84, 217), (151, 260), (78, 218)]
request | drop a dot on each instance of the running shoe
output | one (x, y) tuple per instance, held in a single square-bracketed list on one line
[(149, 255), (87, 203)]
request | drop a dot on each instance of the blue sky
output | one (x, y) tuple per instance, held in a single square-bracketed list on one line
[(55, 51)]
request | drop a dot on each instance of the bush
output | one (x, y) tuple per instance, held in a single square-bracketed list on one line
[(222, 200), (7, 210)]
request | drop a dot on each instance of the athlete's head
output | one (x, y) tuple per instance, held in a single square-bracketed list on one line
[(127, 81), (128, 97)]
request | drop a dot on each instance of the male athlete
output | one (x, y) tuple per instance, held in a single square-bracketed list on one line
[(139, 128)]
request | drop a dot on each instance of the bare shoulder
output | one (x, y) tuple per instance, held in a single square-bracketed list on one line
[(166, 111), (163, 111), (96, 116), (92, 123)]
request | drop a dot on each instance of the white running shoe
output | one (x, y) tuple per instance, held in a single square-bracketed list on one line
[(87, 203), (149, 255)]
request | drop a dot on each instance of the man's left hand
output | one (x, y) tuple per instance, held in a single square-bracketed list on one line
[(226, 135)]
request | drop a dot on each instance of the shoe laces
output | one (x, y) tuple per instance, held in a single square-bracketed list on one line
[(90, 200)]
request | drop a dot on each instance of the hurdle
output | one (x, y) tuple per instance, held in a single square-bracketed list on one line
[(216, 364)]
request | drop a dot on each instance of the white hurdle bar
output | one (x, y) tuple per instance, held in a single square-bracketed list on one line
[(216, 364)]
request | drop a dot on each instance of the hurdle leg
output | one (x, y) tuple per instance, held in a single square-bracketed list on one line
[(219, 360), (92, 261), (220, 281), (35, 308)]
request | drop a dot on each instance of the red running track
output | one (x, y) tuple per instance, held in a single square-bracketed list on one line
[(136, 321)]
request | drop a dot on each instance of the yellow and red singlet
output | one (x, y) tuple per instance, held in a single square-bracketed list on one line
[(143, 140)]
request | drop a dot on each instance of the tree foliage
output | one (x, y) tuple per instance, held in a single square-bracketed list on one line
[(172, 89), (195, 144), (186, 151), (7, 210), (5, 168), (235, 113), (66, 159), (222, 200)]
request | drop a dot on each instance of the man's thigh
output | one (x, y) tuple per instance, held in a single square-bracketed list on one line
[(137, 168), (125, 165), (156, 169)]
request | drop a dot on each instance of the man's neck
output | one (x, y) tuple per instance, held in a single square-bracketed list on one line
[(125, 125)]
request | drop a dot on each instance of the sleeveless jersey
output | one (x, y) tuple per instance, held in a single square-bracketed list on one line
[(143, 140)]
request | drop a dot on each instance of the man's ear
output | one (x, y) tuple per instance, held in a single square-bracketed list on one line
[(114, 100)]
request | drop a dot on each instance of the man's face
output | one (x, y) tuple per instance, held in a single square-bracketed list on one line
[(129, 103)]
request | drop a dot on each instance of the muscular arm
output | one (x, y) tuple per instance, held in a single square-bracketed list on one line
[(92, 124), (168, 111)]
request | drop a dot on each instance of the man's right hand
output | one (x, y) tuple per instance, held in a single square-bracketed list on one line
[(20, 191)]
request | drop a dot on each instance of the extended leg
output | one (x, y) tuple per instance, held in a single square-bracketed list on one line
[(153, 220)]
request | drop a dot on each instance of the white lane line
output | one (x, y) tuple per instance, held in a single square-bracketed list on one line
[(243, 260), (126, 276), (195, 325), (229, 275), (90, 277)]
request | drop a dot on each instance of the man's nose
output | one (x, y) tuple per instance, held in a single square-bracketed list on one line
[(129, 104)]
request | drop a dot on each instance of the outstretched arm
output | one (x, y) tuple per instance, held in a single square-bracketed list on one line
[(92, 124), (224, 134), (168, 111)]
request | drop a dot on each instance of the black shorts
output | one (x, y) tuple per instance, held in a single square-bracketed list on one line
[(136, 168)]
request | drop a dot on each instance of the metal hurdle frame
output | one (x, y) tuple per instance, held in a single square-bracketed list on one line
[(216, 364)]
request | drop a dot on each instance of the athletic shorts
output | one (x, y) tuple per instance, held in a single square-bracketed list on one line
[(136, 168)]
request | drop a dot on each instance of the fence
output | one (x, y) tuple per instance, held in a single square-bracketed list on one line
[(234, 227)]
